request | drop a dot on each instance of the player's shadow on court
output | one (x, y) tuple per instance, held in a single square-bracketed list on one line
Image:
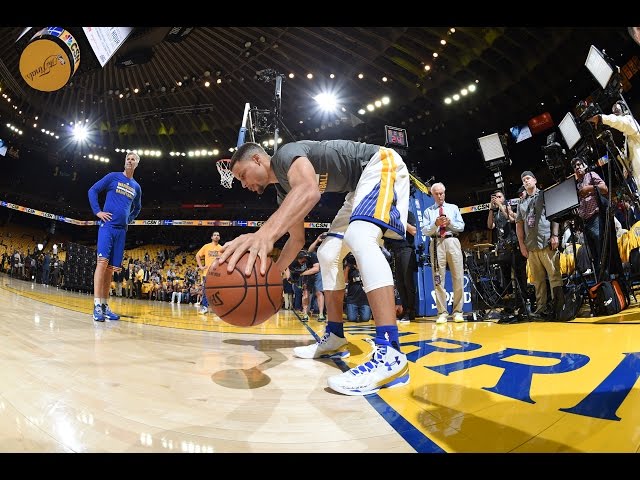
[(255, 376)]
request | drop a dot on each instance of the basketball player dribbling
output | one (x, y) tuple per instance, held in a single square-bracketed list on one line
[(121, 206), (376, 180)]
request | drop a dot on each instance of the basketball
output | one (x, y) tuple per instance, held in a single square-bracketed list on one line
[(244, 301)]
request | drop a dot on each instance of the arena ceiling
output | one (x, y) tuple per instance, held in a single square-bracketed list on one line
[(519, 72)]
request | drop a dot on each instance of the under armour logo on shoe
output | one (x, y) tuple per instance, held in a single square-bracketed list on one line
[(389, 365)]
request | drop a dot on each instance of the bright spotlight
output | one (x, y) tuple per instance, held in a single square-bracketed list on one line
[(326, 101), (80, 133)]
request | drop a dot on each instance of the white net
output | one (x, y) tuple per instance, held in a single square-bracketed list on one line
[(226, 177)]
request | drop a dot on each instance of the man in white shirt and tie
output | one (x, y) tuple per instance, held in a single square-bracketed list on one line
[(443, 222)]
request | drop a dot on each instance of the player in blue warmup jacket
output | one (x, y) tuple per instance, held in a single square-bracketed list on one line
[(121, 206)]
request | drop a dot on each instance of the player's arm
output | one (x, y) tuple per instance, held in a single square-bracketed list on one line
[(292, 247), (200, 255), (93, 193), (289, 217)]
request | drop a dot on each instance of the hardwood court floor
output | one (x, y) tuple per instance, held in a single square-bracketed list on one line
[(166, 379)]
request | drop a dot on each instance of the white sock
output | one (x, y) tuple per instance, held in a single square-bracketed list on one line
[(103, 301), (96, 301)]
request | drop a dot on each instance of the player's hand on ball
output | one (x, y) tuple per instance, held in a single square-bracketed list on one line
[(213, 266), (254, 243)]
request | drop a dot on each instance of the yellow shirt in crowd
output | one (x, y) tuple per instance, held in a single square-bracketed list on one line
[(209, 252)]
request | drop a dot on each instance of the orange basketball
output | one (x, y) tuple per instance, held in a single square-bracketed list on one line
[(244, 301)]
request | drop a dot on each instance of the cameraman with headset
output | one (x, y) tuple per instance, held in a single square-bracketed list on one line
[(622, 120)]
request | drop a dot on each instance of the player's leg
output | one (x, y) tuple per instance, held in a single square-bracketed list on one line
[(103, 252), (330, 255), (204, 302), (99, 275), (380, 204), (115, 264)]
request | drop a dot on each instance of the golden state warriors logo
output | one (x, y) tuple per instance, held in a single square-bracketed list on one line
[(125, 189)]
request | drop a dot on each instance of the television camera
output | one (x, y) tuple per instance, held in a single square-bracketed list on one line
[(581, 137)]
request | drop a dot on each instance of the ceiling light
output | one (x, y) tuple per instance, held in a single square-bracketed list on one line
[(326, 101), (443, 42), (309, 76), (384, 79), (360, 76)]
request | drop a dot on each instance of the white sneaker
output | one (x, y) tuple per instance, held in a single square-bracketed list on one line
[(457, 317), (387, 368), (442, 318), (329, 346), (203, 310), (404, 320)]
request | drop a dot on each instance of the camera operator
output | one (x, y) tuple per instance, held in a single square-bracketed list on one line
[(588, 185), (622, 120), (501, 218), (303, 271), (501, 221), (538, 239)]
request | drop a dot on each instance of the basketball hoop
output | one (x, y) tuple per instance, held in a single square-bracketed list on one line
[(226, 177)]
